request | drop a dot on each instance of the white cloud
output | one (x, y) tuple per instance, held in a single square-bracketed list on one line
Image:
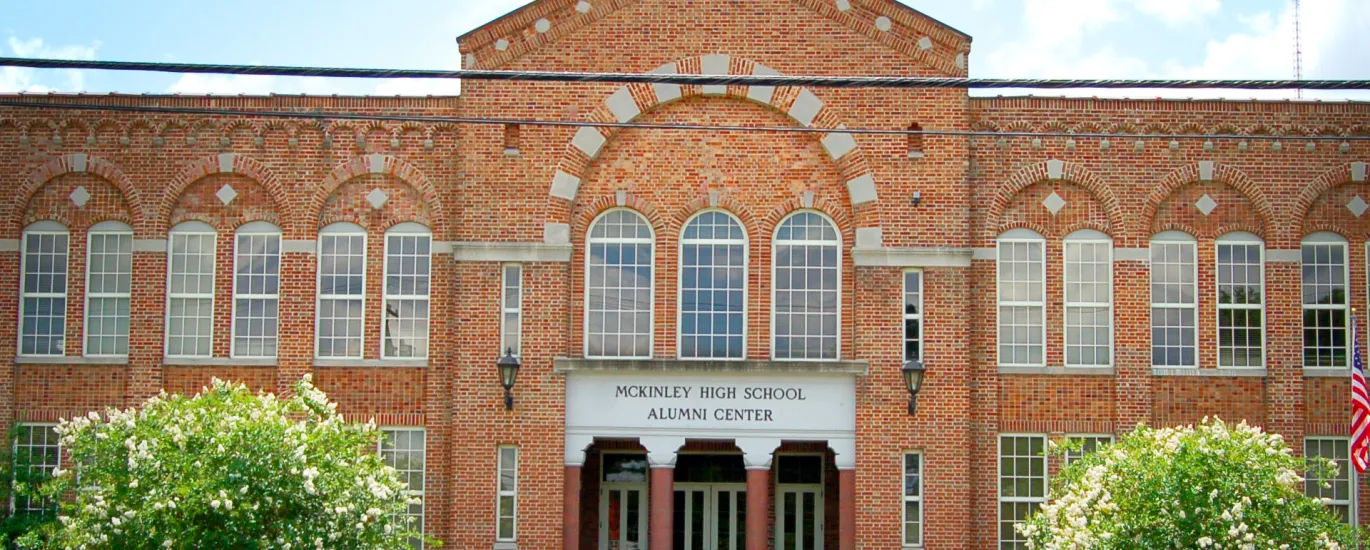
[(1178, 12), (16, 79)]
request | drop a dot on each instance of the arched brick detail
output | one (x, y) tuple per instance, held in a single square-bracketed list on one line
[(1330, 179), (725, 203), (588, 212), (378, 164), (1069, 172), (75, 163), (1087, 224), (833, 210), (226, 163), (629, 102), (1035, 228), (1221, 173)]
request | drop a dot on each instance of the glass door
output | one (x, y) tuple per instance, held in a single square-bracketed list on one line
[(799, 502), (623, 502), (729, 517), (710, 516)]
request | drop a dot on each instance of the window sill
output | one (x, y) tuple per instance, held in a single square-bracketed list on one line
[(564, 364), (219, 362), (1318, 372), (356, 363), (1059, 371), (506, 546), (64, 360), (1245, 372)]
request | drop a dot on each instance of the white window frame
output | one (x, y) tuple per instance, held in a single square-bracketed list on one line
[(1241, 238), (506, 310), (1353, 502), (501, 494), (1071, 456), (197, 229), (255, 229), (407, 229), (775, 244), (42, 228), (1169, 238), (999, 476), (916, 317), (348, 230), (644, 517), (1019, 236), (422, 492), (14, 451), (651, 288), (1085, 237), (904, 510), (1325, 238), (745, 243), (107, 228)]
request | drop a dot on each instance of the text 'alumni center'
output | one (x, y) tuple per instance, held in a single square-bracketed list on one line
[(719, 332)]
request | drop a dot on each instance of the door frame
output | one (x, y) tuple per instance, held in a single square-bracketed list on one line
[(820, 502), (644, 508), (713, 492)]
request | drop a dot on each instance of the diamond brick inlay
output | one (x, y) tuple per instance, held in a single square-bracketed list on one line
[(377, 198), (1357, 206), (80, 197), (1206, 204), (1054, 203), (226, 194)]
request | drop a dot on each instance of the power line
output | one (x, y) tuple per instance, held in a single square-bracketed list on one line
[(637, 125), (695, 79)]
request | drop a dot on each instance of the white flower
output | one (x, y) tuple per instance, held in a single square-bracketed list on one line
[(215, 504), (1205, 542)]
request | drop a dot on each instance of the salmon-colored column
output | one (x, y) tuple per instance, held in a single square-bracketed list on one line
[(758, 508), (846, 510), (663, 507), (571, 529)]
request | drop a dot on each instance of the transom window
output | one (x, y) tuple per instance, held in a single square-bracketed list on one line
[(618, 285), (408, 266), (1325, 301), (507, 514), (807, 279), (256, 290), (511, 310), (1174, 304), (1241, 297), (109, 274), (342, 291), (713, 287), (43, 300), (190, 296), (38, 452), (1089, 299), (1022, 298)]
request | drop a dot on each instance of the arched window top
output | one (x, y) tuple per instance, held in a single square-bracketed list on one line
[(111, 227), (46, 226), (1021, 234), (621, 225), (342, 228), (193, 227), (1088, 235), (409, 228), (807, 227), (1173, 236), (258, 228), (1240, 237), (713, 226), (1324, 237)]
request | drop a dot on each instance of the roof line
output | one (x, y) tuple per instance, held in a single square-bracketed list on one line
[(463, 36), (934, 20)]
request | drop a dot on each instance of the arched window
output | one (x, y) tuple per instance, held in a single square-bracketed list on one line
[(1174, 300), (1022, 298), (256, 290), (408, 268), (43, 296), (1088, 299), (342, 291), (713, 287), (1325, 301), (807, 279), (109, 276), (190, 290), (618, 286), (1241, 300)]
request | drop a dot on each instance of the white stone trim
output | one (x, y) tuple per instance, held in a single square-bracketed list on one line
[(714, 63), (298, 246), (838, 144), (990, 253), (565, 186), (666, 92), (226, 163), (1358, 171), (556, 233), (9, 245), (1218, 372), (1055, 169), (376, 163), (862, 189), (1132, 255), (911, 256), (1294, 256), (150, 245), (762, 94), (870, 237), (219, 362), (1205, 170), (78, 162), (588, 140), (622, 105), (369, 363), (510, 252), (925, 43), (69, 360), (442, 247), (576, 444), (806, 106)]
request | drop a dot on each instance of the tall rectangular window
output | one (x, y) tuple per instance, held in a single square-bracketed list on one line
[(511, 311), (508, 493), (109, 274), (405, 449), (342, 292), (1325, 301), (37, 451), (1022, 485), (713, 287), (407, 268), (1339, 488), (913, 499), (1174, 302), (618, 284), (1022, 299), (256, 291), (1241, 319), (807, 288), (1089, 299), (43, 318), (1088, 444), (913, 315), (190, 298)]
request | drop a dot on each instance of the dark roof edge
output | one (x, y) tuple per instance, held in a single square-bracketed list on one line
[(486, 24), (934, 20)]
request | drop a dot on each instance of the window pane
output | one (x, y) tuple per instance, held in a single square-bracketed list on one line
[(1335, 485), (807, 275), (1174, 310), (38, 453), (712, 284), (44, 313), (1324, 305), (1022, 335), (512, 316), (404, 449), (1022, 484), (619, 284), (256, 288)]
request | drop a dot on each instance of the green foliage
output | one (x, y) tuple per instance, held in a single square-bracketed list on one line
[(23, 483), (1211, 486), (225, 468)]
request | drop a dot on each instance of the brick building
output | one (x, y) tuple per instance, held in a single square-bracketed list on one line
[(711, 324)]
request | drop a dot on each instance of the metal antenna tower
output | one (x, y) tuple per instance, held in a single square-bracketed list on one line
[(1298, 48)]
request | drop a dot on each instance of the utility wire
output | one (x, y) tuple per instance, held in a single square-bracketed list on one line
[(697, 79), (637, 125)]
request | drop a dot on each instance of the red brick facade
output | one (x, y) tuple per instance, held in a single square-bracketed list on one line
[(530, 194)]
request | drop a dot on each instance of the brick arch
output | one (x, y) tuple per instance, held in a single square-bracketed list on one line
[(389, 165), (1056, 170), (642, 206), (1352, 172), (1087, 224), (833, 210), (76, 163), (724, 202), (224, 163), (1026, 224), (627, 103), (1208, 171)]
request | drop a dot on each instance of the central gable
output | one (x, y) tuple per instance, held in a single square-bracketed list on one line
[(888, 23)]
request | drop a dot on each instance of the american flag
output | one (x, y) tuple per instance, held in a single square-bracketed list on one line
[(1360, 406)]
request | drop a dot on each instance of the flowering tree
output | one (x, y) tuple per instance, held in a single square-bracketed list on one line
[(226, 469), (1211, 486)]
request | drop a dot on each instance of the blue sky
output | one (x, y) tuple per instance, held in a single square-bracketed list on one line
[(1013, 38)]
